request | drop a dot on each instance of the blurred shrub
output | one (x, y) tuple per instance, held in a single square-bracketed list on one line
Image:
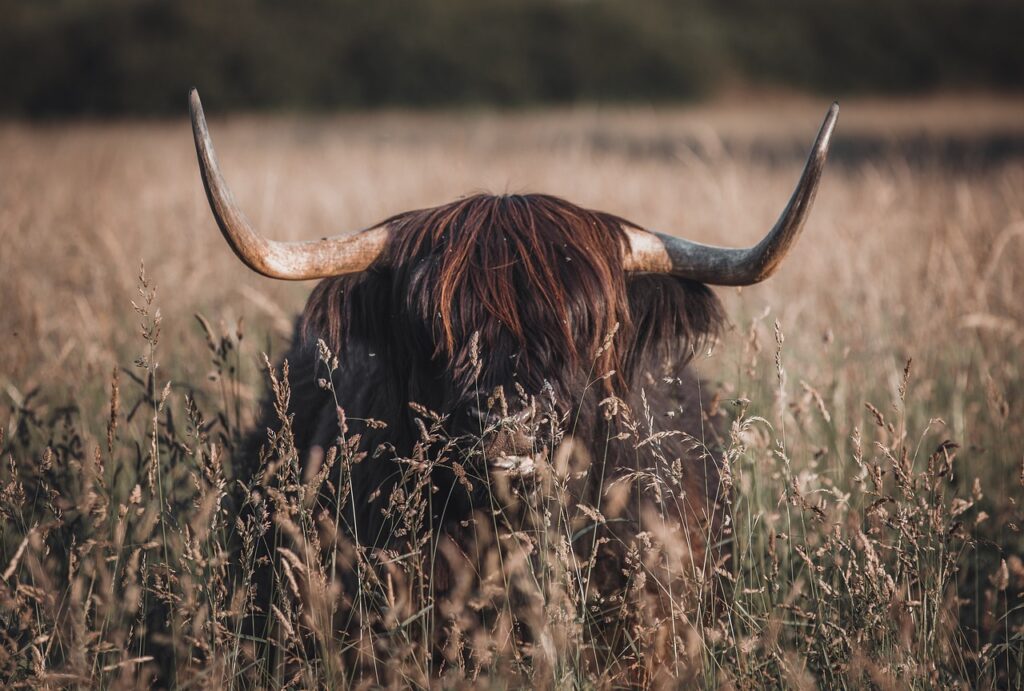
[(139, 56)]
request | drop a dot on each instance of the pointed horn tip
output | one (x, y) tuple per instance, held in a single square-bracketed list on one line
[(833, 113), (195, 105), (827, 127)]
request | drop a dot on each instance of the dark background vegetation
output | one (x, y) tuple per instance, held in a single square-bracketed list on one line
[(102, 57)]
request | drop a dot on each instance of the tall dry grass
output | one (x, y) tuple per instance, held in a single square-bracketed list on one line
[(871, 392)]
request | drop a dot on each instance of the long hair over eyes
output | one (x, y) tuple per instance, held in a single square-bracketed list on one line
[(533, 275)]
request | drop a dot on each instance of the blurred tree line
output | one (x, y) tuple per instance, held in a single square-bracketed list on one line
[(101, 57)]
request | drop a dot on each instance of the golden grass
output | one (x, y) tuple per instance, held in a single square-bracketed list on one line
[(869, 550)]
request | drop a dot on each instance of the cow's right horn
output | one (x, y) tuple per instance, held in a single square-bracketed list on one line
[(659, 253), (293, 261)]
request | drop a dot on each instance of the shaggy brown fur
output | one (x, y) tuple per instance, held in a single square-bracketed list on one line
[(539, 279), (523, 293), (532, 283)]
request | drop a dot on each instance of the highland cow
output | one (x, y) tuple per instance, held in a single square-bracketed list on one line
[(477, 308)]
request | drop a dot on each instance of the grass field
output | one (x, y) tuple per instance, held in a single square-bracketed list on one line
[(874, 386)]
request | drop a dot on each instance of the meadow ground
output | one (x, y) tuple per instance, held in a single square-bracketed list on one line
[(873, 387)]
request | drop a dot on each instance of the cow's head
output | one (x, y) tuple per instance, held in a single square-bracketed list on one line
[(524, 293)]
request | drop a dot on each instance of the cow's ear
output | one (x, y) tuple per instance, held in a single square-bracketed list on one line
[(673, 318), (368, 308), (345, 307)]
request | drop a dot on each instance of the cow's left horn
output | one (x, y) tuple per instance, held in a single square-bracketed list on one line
[(294, 261), (660, 253)]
